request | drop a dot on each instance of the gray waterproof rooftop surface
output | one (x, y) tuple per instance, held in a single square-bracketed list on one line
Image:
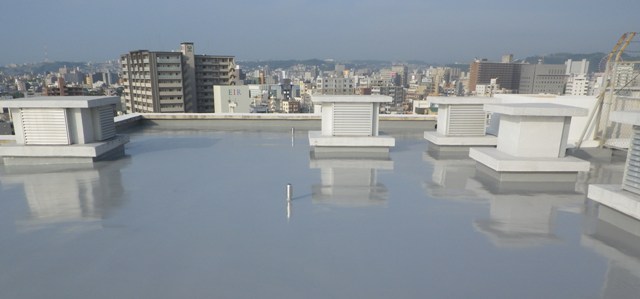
[(202, 214)]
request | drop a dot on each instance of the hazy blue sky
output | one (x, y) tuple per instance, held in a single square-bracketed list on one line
[(435, 31)]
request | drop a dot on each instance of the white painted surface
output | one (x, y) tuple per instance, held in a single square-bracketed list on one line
[(502, 162), (352, 119), (461, 116), (60, 102), (536, 109), (75, 150), (461, 120), (466, 120), (443, 119), (39, 126), (350, 99), (614, 197), (350, 115), (462, 101), (65, 121), (316, 138), (327, 119), (531, 136), (436, 138), (578, 123)]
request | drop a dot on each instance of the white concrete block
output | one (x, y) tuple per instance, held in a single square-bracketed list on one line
[(503, 162), (463, 100), (614, 197), (578, 123), (91, 150), (439, 139), (317, 139), (61, 102), (532, 136), (350, 99), (534, 129), (536, 109)]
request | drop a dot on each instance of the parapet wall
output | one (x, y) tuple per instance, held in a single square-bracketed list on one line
[(262, 122)]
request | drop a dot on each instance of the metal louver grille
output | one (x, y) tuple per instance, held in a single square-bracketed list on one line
[(352, 119), (107, 126), (466, 120), (631, 180), (44, 126)]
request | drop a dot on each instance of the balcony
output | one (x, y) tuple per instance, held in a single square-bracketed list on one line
[(169, 69), (170, 93)]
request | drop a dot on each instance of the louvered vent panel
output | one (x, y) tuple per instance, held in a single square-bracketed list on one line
[(107, 127), (352, 119), (44, 126), (631, 180), (466, 120)]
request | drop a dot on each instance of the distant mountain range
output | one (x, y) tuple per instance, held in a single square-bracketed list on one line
[(49, 67), (596, 63)]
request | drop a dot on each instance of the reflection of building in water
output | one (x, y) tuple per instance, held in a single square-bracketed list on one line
[(57, 194), (450, 177), (521, 217), (616, 237), (350, 182)]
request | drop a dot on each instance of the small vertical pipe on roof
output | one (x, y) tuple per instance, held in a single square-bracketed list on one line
[(289, 192)]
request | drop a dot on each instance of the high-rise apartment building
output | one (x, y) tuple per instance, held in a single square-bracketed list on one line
[(173, 81), (402, 72)]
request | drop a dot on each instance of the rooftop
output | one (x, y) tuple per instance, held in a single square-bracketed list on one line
[(197, 209)]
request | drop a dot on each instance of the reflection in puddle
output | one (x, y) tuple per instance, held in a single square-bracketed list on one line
[(450, 177), (617, 237), (67, 193), (350, 182), (521, 214)]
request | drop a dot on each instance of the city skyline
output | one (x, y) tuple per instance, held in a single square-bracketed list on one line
[(72, 30)]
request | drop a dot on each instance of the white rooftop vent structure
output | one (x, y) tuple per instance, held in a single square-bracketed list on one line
[(350, 121), (62, 130), (462, 121), (624, 198), (532, 138)]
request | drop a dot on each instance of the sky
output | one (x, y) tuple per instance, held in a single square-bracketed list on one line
[(442, 31)]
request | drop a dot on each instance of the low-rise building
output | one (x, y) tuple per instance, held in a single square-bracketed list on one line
[(291, 106), (335, 86), (232, 99)]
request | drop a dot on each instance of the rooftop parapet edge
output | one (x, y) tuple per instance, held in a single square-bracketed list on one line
[(536, 109), (60, 102), (351, 99), (463, 100)]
